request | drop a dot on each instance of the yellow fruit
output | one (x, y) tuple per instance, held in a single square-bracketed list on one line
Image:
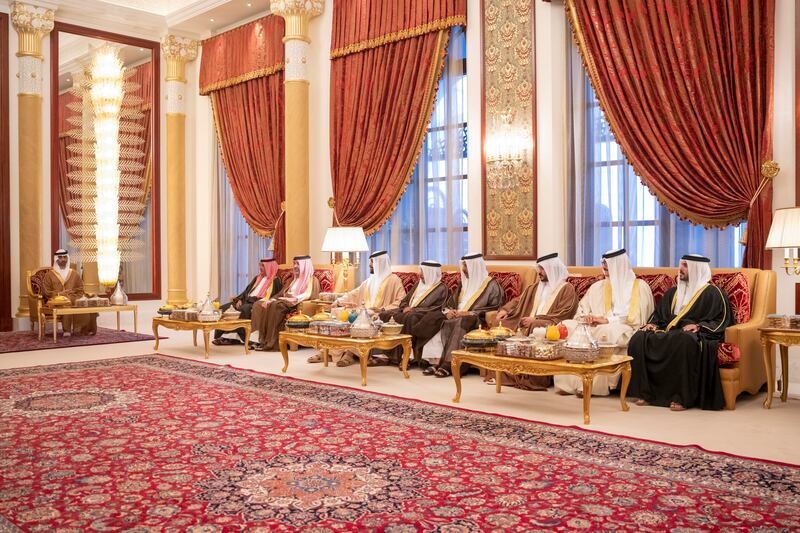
[(552, 333)]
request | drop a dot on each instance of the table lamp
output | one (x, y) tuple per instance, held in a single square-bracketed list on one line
[(785, 233), (345, 240)]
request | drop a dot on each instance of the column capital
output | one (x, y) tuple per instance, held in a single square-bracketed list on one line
[(297, 13), (31, 23), (177, 52)]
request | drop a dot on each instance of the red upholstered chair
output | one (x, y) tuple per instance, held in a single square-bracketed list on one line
[(409, 279), (582, 284)]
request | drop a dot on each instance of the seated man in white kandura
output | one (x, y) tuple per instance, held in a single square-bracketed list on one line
[(614, 308)]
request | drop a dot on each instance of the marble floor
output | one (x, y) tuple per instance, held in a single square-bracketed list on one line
[(749, 430)]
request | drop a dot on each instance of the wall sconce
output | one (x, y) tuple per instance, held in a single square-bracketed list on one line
[(506, 154), (785, 233)]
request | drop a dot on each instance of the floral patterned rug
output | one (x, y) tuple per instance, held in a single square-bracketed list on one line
[(154, 442), (25, 341)]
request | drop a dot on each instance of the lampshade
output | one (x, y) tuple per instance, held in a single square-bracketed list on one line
[(345, 239), (785, 229)]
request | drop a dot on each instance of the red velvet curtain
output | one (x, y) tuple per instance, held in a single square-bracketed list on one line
[(387, 57), (63, 168), (143, 76), (687, 90), (242, 71)]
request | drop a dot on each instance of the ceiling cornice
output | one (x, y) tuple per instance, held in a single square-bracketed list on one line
[(108, 17), (193, 10)]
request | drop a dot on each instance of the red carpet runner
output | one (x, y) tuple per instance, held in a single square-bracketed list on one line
[(160, 443), (24, 341)]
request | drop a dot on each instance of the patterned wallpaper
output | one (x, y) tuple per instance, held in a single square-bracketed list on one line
[(509, 187)]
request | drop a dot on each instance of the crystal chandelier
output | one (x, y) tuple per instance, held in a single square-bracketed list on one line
[(106, 95), (505, 153), (107, 180)]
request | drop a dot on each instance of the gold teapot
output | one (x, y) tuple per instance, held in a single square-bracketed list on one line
[(321, 316)]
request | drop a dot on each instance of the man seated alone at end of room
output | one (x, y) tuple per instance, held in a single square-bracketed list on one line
[(62, 280)]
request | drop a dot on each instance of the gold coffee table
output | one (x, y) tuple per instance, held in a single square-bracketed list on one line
[(324, 343), (534, 367), (54, 312), (206, 327)]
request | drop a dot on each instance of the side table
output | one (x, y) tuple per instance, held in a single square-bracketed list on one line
[(206, 327), (783, 338)]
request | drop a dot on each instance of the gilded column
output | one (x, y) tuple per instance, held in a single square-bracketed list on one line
[(31, 23), (296, 13), (177, 52)]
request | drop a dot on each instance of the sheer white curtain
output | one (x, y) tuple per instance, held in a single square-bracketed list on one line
[(236, 247), (138, 274), (431, 219), (608, 205)]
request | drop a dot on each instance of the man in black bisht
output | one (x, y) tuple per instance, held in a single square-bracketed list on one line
[(675, 355)]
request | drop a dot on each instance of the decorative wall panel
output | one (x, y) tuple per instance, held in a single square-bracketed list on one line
[(509, 129)]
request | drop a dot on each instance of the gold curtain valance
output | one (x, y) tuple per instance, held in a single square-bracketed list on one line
[(459, 20), (360, 25), (250, 51)]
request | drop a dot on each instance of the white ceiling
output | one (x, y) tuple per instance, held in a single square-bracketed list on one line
[(152, 19), (156, 7)]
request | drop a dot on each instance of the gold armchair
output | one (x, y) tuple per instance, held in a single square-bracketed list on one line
[(34, 284)]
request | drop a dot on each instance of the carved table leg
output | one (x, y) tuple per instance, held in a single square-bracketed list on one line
[(325, 356), (55, 325), (406, 357), (626, 380), (205, 341), (283, 346), (784, 373), (497, 385), (363, 359), (455, 367), (155, 334), (247, 333), (194, 336), (135, 319), (588, 380), (766, 346), (118, 321)]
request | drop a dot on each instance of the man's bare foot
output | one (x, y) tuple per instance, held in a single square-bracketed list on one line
[(640, 401), (675, 406), (562, 392)]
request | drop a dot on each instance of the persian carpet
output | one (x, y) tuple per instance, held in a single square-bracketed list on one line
[(154, 442), (24, 341)]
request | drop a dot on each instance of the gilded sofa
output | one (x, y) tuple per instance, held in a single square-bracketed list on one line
[(751, 291)]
